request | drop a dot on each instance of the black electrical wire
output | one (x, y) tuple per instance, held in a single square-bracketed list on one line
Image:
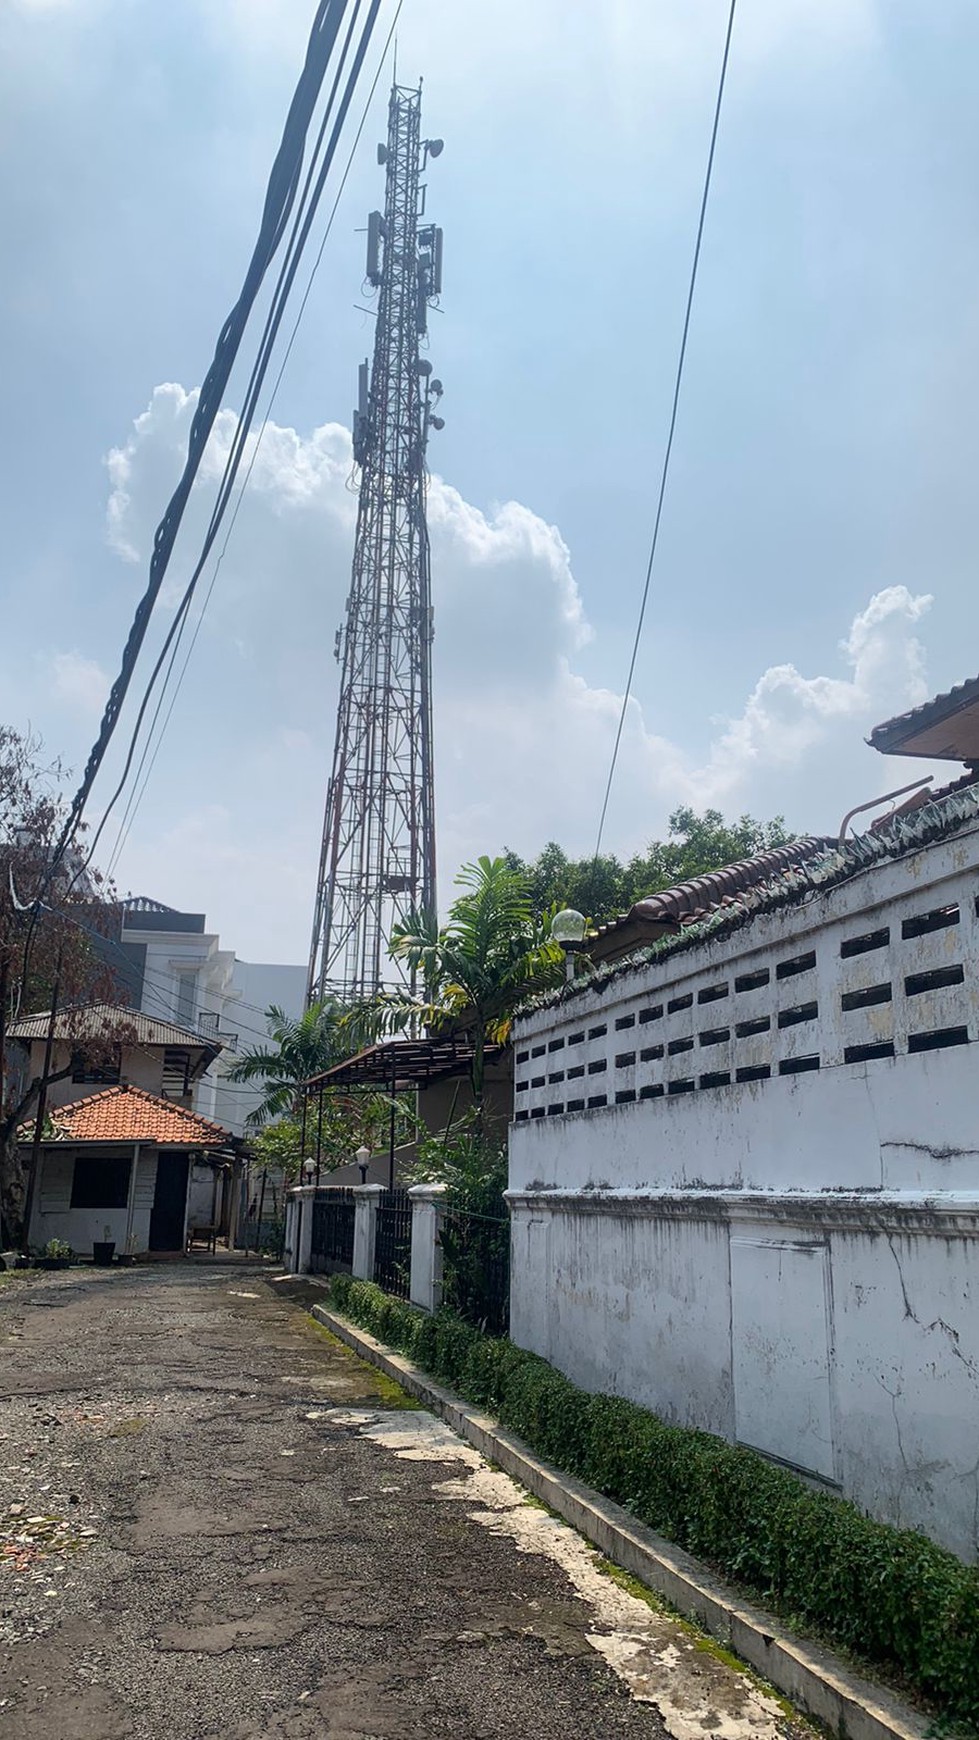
[(139, 791), (273, 320), (283, 186), (232, 463), (672, 427)]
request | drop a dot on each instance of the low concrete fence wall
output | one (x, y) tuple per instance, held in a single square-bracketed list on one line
[(835, 1334), (427, 1211)]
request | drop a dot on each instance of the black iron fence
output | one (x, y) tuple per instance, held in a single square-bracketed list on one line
[(261, 1215), (392, 1246), (476, 1268), (332, 1247)]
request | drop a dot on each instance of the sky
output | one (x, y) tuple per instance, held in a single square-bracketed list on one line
[(816, 566)]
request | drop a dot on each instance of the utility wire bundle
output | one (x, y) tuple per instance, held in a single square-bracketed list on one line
[(288, 195)]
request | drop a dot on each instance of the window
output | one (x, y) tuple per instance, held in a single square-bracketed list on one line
[(186, 998), (176, 1074), (106, 1073), (100, 1181)]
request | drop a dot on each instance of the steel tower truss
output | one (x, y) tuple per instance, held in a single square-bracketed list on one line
[(377, 860)]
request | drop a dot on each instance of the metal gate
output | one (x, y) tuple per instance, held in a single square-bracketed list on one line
[(476, 1275), (332, 1246), (392, 1248)]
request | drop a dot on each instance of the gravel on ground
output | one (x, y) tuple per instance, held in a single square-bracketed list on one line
[(216, 1520)]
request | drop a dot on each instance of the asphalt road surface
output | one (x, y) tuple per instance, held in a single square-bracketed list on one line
[(215, 1520)]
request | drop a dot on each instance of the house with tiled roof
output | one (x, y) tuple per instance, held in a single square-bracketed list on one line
[(109, 1044), (117, 1167), (744, 1160)]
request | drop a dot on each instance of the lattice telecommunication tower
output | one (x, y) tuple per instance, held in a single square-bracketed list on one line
[(377, 859)]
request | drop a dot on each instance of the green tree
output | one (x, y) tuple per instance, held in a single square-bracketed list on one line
[(48, 951), (698, 844), (349, 1121), (476, 969), (299, 1048)]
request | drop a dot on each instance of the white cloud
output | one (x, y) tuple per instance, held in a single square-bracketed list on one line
[(788, 715), (522, 740), (78, 682)]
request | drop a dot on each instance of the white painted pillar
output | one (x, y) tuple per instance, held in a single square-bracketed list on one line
[(427, 1213), (306, 1194), (289, 1239), (366, 1198), (299, 1229)]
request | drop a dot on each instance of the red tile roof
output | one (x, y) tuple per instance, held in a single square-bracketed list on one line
[(672, 908), (130, 1114)]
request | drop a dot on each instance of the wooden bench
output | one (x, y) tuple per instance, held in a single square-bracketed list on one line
[(206, 1235)]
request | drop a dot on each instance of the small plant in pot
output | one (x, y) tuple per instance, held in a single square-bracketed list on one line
[(103, 1250), (57, 1254)]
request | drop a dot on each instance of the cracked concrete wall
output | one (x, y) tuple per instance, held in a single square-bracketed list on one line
[(906, 1379), (636, 1305), (862, 1373), (798, 1096)]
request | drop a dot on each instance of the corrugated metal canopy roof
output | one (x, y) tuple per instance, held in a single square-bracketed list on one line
[(402, 1063)]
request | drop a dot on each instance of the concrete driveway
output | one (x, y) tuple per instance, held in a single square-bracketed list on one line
[(215, 1520)]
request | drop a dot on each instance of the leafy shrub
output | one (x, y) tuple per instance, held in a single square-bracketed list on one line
[(890, 1594)]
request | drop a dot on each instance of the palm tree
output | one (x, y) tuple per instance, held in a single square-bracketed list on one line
[(298, 1049), (477, 969)]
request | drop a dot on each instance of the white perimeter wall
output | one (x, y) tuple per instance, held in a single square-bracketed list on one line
[(789, 1260)]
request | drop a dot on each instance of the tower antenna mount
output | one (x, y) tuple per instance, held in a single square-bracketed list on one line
[(377, 857)]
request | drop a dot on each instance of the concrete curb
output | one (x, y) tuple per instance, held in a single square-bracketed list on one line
[(811, 1678)]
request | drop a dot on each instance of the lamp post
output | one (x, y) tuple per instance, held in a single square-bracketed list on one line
[(309, 1170), (568, 930), (363, 1160)]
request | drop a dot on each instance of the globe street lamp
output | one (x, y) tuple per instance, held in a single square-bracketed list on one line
[(363, 1161), (568, 930)]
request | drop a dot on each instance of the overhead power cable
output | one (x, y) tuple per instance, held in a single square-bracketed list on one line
[(283, 186), (304, 218), (139, 787), (668, 451)]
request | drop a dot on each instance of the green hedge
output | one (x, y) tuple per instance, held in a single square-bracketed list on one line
[(890, 1595)]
